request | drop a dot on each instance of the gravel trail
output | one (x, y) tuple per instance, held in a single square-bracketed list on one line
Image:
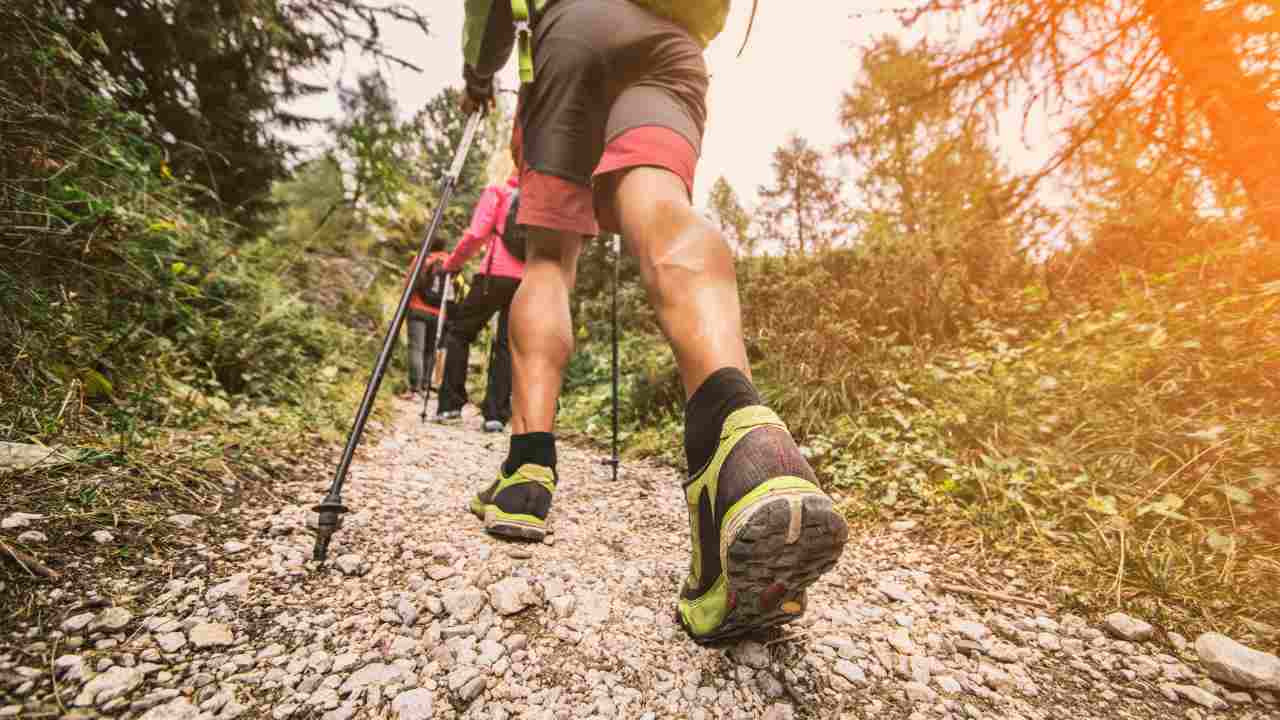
[(420, 615)]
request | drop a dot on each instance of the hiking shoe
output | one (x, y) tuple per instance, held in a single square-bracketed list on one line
[(448, 415), (516, 505), (494, 426), (762, 531)]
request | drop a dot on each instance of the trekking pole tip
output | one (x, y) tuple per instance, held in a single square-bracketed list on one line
[(330, 510), (615, 463)]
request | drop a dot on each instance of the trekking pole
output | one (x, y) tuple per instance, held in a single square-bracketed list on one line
[(331, 508), (613, 316), (493, 341), (435, 345)]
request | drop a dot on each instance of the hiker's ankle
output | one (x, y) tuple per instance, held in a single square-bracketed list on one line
[(537, 448), (723, 392)]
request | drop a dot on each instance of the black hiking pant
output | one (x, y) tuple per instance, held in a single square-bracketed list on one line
[(422, 357), (488, 294)]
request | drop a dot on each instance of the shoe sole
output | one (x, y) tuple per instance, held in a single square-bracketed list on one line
[(771, 552), (505, 525)]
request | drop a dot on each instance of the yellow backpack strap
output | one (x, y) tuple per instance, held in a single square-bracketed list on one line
[(524, 39)]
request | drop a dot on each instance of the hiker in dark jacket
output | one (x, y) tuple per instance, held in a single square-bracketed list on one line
[(424, 313), (492, 288), (611, 114)]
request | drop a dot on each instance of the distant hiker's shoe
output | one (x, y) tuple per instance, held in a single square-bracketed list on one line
[(448, 416), (516, 505), (762, 531), (494, 426)]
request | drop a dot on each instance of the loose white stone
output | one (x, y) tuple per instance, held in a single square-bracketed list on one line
[(112, 619), (949, 685), (237, 586), (1128, 628), (974, 631), (76, 623), (895, 591), (414, 705), (115, 682), (184, 520), (920, 693), (1200, 696), (18, 520), (901, 641), (511, 595), (1230, 662), (171, 642), (69, 668), (351, 564), (177, 709), (407, 611), (210, 635), (372, 675), (464, 604), (850, 672)]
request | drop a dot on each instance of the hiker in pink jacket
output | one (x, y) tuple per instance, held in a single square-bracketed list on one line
[(492, 287)]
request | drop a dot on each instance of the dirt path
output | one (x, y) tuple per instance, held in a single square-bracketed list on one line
[(421, 615)]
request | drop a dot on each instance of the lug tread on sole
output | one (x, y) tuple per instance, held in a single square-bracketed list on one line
[(759, 558), (507, 530)]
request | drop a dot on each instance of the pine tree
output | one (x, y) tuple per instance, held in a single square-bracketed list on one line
[(925, 169), (733, 219), (803, 209), (1161, 62), (373, 142), (214, 79)]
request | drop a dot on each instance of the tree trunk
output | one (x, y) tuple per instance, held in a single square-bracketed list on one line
[(1246, 132), (799, 199)]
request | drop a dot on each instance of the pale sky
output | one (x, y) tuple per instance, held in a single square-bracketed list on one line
[(800, 58)]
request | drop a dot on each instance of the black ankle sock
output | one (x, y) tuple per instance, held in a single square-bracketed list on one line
[(725, 391), (538, 448)]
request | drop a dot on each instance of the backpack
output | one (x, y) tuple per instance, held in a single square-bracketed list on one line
[(514, 236)]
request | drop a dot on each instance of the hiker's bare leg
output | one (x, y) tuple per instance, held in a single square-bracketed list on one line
[(541, 329), (688, 271)]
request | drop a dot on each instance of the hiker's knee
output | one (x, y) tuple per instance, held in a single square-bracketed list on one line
[(681, 251), (668, 237)]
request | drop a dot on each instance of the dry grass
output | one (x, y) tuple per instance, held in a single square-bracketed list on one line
[(1128, 451), (1121, 445), (206, 471)]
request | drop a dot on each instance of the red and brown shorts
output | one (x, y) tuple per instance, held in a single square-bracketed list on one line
[(615, 87)]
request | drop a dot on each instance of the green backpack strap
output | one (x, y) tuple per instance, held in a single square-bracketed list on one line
[(524, 39)]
